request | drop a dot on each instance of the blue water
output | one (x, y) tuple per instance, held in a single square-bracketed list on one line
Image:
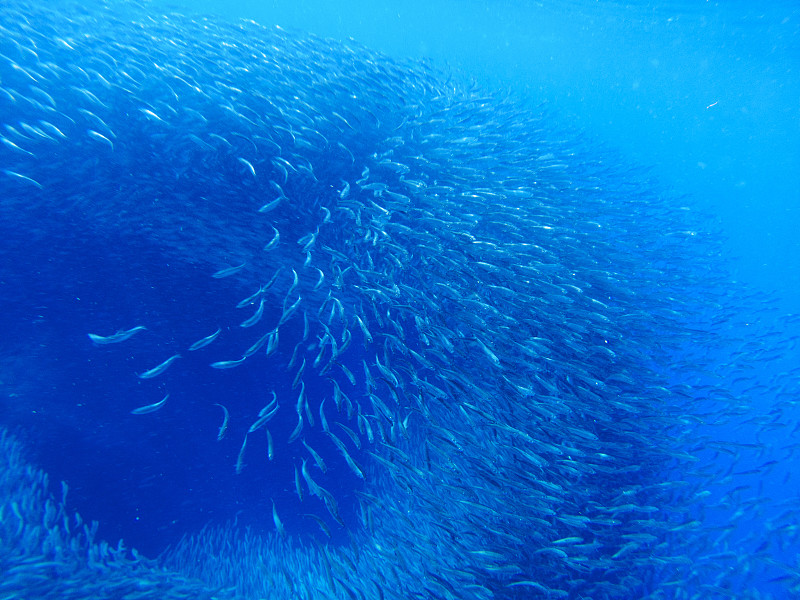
[(703, 97)]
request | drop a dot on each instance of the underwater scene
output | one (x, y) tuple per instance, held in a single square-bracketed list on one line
[(384, 301)]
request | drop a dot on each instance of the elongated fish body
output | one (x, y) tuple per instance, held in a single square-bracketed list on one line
[(228, 364), (223, 429), (202, 343), (116, 338), (159, 369), (256, 316), (277, 521), (143, 410), (228, 271)]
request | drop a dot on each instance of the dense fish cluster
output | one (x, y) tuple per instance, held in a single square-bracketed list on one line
[(455, 311), (46, 552)]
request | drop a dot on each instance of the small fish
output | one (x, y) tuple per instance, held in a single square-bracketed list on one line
[(53, 129), (264, 419), (323, 420), (299, 375), (256, 316), (116, 338), (354, 466), (205, 341), (23, 178), (491, 355), (227, 272), (297, 487), (272, 279), (317, 458), (313, 488), (223, 429), (350, 377), (257, 344), (293, 359), (100, 138), (228, 364), (274, 241), (269, 406), (308, 240), (35, 131), (151, 115), (270, 206), (143, 410), (351, 434), (249, 166), (270, 446), (272, 343), (240, 457), (98, 122), (277, 521), (157, 370), (295, 281), (321, 524), (320, 280), (297, 430), (289, 311), (364, 330), (16, 148), (250, 299)]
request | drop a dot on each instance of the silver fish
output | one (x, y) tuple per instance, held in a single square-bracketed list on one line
[(224, 427), (157, 370), (143, 410), (228, 364), (205, 341), (115, 338), (228, 271)]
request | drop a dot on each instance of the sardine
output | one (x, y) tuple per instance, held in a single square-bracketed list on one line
[(157, 370), (116, 338), (142, 410)]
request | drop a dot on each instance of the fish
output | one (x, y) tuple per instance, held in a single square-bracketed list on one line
[(256, 316), (276, 238), (9, 144), (289, 311), (272, 342), (277, 521), (251, 298), (143, 410), (240, 457), (228, 364), (270, 206), (116, 338), (248, 165), (158, 369), (202, 343), (354, 466), (295, 282), (223, 429), (264, 418), (297, 487), (317, 458), (321, 279), (228, 271)]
